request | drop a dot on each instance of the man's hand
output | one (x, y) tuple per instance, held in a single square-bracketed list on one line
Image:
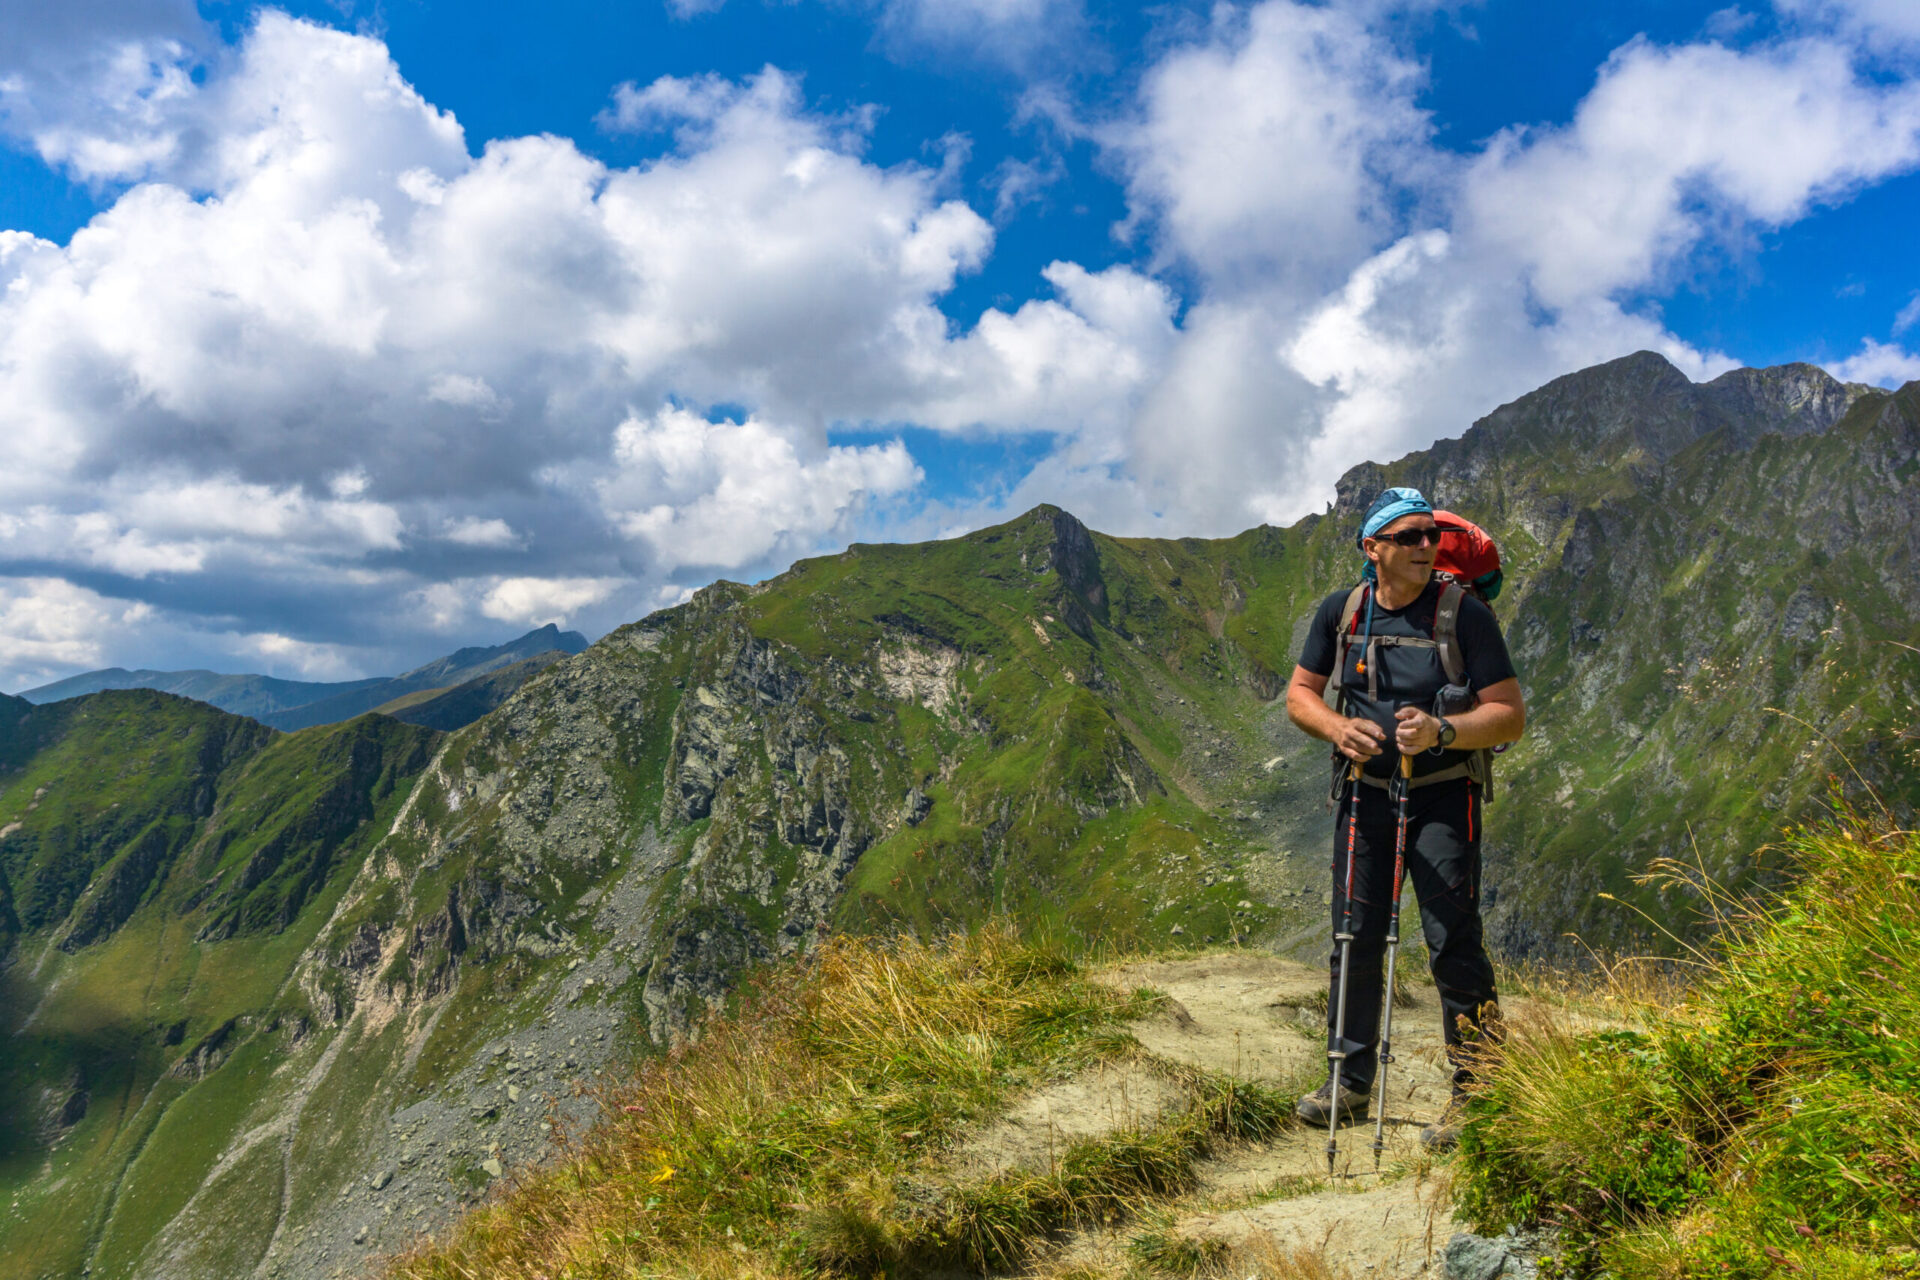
[(1416, 731), (1358, 740)]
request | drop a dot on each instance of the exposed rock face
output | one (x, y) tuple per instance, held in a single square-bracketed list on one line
[(925, 674)]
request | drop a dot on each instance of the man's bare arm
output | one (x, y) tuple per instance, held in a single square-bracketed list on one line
[(1499, 715), (1354, 738)]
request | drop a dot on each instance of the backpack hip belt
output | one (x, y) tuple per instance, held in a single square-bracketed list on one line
[(1462, 770)]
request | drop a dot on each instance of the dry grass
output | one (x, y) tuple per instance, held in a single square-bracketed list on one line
[(1261, 1257), (804, 1133)]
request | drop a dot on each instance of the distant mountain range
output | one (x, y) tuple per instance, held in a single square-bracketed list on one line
[(433, 695)]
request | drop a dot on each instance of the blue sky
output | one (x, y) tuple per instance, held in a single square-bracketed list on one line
[(336, 335)]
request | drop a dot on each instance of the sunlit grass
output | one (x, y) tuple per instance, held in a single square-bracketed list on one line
[(1764, 1120)]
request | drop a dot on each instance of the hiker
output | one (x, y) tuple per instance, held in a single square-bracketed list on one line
[(1385, 635)]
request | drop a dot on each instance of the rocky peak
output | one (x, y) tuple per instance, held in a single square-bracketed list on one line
[(1786, 399), (1639, 400), (1070, 551), (1355, 491), (1637, 406)]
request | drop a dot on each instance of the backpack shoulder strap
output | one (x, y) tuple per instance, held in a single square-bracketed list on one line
[(1342, 639), (1446, 632)]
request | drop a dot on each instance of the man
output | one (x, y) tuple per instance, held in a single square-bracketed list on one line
[(1387, 701)]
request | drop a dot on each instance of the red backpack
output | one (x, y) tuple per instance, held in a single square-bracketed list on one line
[(1468, 556)]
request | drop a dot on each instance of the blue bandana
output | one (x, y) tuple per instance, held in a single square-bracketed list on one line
[(1390, 506)]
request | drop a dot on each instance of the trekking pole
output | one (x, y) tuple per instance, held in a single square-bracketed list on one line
[(1402, 784), (1337, 1051)]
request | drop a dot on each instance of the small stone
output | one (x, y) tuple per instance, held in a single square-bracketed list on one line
[(1243, 905), (492, 1167), (360, 1236), (513, 1093), (1471, 1257), (380, 1180), (1177, 930)]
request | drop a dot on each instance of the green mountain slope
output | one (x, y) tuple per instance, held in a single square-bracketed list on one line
[(389, 952), (171, 863)]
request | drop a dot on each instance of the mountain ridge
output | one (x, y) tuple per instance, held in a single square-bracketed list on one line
[(297, 704)]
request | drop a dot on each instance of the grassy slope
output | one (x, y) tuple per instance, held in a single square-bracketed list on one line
[(267, 830), (1026, 820), (456, 706), (1765, 1126)]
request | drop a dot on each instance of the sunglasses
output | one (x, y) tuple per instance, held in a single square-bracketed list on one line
[(1412, 537)]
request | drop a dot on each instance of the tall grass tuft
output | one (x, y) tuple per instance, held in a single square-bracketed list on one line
[(1768, 1123)]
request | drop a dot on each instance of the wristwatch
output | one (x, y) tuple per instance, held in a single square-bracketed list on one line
[(1446, 734)]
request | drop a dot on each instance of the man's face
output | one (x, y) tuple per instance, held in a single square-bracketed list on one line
[(1401, 560)]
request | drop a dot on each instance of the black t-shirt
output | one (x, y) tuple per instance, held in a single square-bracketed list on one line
[(1407, 676)]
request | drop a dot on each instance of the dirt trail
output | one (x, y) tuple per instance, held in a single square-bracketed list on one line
[(1258, 1017)]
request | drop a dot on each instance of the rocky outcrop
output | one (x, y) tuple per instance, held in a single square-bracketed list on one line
[(1072, 554)]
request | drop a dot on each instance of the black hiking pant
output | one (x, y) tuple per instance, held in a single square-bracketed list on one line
[(1443, 862)]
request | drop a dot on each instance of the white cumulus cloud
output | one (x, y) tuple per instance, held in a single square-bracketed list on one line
[(321, 342), (535, 602), (719, 494), (50, 627), (1879, 364), (1675, 143)]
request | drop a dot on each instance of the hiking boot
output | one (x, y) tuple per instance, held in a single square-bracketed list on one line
[(1317, 1108), (1444, 1133)]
